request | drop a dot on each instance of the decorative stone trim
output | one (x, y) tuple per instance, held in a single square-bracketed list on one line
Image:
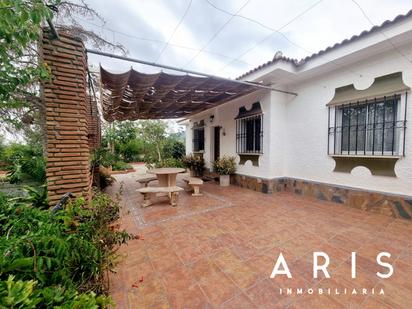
[(397, 206), (253, 183)]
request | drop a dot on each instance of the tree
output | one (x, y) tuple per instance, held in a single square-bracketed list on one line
[(125, 131), (153, 132), (20, 70), (174, 148), (20, 27), (121, 139)]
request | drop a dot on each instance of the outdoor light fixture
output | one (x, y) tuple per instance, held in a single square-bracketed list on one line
[(211, 118), (223, 132)]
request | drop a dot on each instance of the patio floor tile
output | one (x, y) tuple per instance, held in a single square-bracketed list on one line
[(264, 294), (218, 288), (218, 251), (148, 294), (395, 296), (320, 301), (239, 302), (177, 279), (191, 297), (262, 265)]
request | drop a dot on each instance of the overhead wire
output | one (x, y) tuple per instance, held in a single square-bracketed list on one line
[(332, 61), (174, 30), (238, 59), (266, 26), (158, 41), (381, 32), (273, 31), (216, 34)]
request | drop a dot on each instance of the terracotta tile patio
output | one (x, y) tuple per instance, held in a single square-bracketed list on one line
[(218, 251)]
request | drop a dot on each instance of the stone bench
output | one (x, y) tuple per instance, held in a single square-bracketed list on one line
[(148, 192), (195, 183), (145, 181)]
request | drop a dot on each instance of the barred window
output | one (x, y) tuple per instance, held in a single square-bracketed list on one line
[(198, 138), (249, 135), (371, 127)]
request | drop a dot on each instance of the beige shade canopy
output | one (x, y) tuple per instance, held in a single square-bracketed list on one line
[(134, 95), (386, 85)]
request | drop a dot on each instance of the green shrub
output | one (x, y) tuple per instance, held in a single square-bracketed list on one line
[(103, 157), (105, 178), (35, 167), (121, 166), (194, 162), (131, 151), (17, 294), (57, 260), (15, 173), (15, 152), (36, 197), (225, 165), (23, 294), (169, 162), (24, 162), (174, 149)]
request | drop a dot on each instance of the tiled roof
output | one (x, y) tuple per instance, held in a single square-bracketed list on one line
[(298, 63)]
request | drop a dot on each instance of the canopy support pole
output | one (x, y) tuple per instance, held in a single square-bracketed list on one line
[(100, 53)]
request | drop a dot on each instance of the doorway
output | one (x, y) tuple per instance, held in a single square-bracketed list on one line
[(216, 138)]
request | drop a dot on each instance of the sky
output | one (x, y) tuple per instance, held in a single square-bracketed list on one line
[(228, 37), (203, 35)]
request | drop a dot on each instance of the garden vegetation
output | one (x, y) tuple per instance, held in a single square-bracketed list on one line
[(57, 258), (49, 258), (140, 141)]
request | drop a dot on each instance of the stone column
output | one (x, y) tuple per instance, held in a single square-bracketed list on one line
[(65, 102)]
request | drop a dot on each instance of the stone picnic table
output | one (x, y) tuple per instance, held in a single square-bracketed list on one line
[(167, 185), (166, 176)]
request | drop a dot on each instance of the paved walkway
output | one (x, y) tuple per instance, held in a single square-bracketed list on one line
[(218, 251)]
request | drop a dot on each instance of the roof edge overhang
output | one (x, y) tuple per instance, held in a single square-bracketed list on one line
[(348, 51)]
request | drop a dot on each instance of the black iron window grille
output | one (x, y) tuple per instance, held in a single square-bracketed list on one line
[(198, 138), (371, 128), (249, 135)]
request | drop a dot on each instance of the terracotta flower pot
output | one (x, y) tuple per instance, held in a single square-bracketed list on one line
[(224, 180)]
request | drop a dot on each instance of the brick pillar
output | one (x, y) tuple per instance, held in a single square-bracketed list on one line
[(65, 104), (94, 126)]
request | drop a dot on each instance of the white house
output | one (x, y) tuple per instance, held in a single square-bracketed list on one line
[(343, 137)]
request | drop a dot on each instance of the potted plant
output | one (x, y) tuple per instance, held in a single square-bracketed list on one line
[(225, 167), (195, 164)]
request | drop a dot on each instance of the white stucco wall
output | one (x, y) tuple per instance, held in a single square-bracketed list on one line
[(295, 128), (224, 116), (307, 121)]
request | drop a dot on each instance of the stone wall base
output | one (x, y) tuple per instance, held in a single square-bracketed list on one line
[(397, 206)]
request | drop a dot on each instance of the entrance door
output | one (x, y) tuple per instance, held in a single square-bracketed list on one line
[(217, 143)]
